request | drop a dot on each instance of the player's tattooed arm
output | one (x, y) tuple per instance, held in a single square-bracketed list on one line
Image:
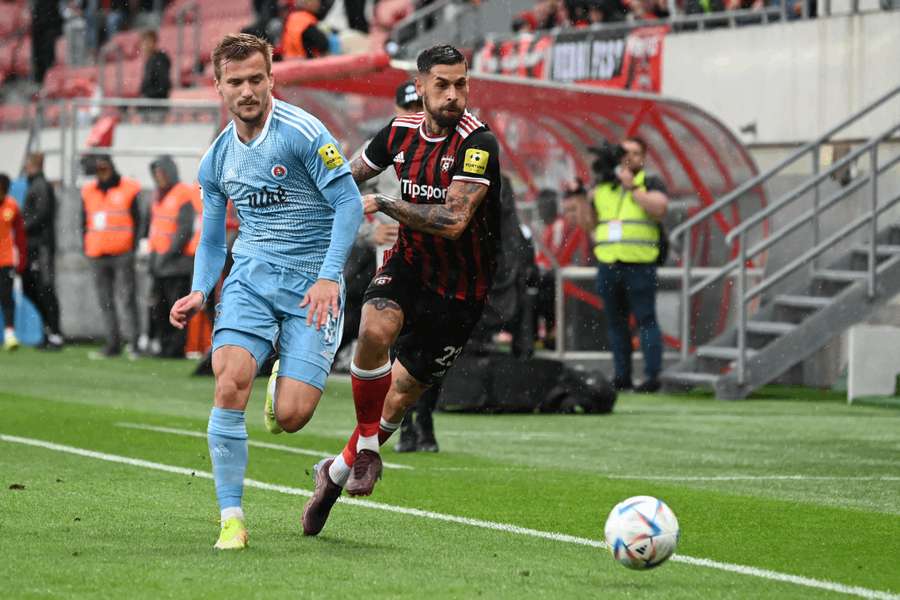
[(447, 220), (361, 171)]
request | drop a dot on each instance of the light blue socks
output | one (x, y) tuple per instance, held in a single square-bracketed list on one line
[(227, 436)]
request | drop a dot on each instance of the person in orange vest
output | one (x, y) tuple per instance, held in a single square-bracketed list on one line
[(172, 241), (110, 222), (302, 37), (13, 251)]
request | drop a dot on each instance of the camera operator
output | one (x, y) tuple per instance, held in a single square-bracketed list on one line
[(624, 222)]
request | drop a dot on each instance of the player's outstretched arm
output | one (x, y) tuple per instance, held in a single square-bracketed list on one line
[(447, 220)]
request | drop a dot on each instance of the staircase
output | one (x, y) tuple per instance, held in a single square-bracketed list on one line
[(786, 315)]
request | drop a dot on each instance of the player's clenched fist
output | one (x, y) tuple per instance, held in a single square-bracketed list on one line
[(184, 308)]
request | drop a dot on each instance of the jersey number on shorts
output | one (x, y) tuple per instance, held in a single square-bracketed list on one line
[(451, 353)]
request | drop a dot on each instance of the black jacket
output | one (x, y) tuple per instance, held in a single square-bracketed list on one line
[(39, 214), (156, 82)]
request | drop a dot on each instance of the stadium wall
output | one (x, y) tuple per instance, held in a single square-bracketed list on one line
[(792, 81)]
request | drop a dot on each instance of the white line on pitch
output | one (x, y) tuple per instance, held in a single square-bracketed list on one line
[(254, 443), (690, 478), (491, 525), (757, 477)]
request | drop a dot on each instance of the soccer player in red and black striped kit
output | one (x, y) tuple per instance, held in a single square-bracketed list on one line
[(422, 304)]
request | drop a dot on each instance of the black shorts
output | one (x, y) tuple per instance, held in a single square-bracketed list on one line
[(435, 329)]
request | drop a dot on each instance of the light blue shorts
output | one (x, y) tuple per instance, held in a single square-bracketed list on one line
[(260, 312)]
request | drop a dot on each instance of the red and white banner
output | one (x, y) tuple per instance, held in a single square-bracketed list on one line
[(621, 58)]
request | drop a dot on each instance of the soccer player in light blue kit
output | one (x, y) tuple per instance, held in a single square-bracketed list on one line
[(299, 210)]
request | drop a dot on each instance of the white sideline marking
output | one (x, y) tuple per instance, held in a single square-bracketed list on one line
[(689, 478), (757, 477), (491, 525), (254, 443)]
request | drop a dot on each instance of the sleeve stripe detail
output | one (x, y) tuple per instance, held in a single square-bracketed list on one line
[(307, 123), (480, 180), (370, 163), (288, 110), (307, 128), (304, 132)]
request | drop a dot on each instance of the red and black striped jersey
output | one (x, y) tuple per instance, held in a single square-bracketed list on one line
[(426, 166)]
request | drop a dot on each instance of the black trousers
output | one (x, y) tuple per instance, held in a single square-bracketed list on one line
[(7, 304), (164, 292), (43, 50), (39, 286)]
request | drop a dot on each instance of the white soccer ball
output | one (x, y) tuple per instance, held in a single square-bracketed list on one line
[(641, 532)]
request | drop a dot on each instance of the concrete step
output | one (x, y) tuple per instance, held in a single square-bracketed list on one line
[(723, 352), (880, 249), (690, 378), (797, 301), (839, 275), (770, 327)]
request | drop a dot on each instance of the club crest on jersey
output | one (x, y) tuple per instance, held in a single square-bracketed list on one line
[(382, 280), (447, 163), (279, 171), (331, 156), (475, 161)]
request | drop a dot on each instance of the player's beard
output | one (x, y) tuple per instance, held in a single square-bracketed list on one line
[(257, 117), (442, 119)]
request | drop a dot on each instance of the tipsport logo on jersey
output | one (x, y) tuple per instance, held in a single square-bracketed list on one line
[(426, 192)]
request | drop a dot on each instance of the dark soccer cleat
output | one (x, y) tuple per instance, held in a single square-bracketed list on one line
[(317, 508), (365, 472)]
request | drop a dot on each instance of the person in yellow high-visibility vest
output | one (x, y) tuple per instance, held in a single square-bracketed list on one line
[(624, 222)]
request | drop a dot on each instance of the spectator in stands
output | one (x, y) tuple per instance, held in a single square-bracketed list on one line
[(12, 259), (110, 222), (302, 37), (624, 220), (46, 26), (563, 243), (156, 82), (172, 242), (38, 280), (544, 15)]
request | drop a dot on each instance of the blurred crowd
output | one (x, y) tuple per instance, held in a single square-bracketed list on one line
[(552, 14)]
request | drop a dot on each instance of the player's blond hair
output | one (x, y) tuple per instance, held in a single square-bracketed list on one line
[(240, 46)]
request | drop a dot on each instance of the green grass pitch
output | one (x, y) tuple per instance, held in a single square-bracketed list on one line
[(793, 494)]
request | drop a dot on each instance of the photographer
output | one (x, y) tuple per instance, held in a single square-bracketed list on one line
[(624, 222)]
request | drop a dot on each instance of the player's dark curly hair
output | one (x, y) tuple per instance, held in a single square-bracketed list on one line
[(439, 55)]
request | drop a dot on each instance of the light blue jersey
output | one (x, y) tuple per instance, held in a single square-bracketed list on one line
[(286, 185), (299, 210)]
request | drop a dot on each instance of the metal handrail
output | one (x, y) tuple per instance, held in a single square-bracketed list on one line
[(786, 162), (419, 15), (680, 235), (870, 217), (807, 186)]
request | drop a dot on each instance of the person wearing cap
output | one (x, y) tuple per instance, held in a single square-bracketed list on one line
[(110, 221), (171, 242)]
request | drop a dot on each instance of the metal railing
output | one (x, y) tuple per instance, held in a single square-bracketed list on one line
[(70, 125), (444, 15), (681, 235), (870, 218)]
